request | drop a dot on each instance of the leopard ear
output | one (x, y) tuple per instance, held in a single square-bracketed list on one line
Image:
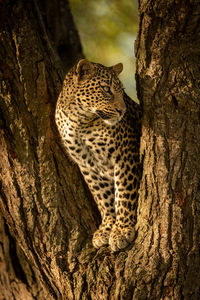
[(84, 70), (117, 68)]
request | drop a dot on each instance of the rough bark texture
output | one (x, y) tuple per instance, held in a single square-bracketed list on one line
[(41, 188), (61, 31), (168, 69), (45, 244)]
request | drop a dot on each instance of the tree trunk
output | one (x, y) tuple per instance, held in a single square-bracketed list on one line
[(48, 208), (168, 55), (43, 198), (61, 32)]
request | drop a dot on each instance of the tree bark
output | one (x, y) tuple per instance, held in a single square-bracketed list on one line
[(61, 31), (168, 55), (45, 249), (41, 189)]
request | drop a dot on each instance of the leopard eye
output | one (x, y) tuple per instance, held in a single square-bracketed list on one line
[(106, 89)]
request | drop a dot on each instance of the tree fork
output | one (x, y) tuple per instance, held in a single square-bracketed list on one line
[(43, 198)]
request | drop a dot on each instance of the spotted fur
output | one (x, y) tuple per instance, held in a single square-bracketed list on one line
[(100, 128)]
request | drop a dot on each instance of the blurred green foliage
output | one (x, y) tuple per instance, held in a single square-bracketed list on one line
[(107, 29)]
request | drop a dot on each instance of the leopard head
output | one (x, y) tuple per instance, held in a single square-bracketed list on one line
[(99, 91)]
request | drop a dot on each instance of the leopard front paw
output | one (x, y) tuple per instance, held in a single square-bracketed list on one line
[(120, 237), (101, 237)]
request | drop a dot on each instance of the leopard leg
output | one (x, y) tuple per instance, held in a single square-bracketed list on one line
[(102, 189), (126, 194)]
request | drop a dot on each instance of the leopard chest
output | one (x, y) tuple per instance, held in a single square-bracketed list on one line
[(91, 148)]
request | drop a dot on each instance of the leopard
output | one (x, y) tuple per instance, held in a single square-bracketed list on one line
[(100, 128)]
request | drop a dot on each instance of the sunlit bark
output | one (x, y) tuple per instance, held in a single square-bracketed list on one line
[(45, 243)]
